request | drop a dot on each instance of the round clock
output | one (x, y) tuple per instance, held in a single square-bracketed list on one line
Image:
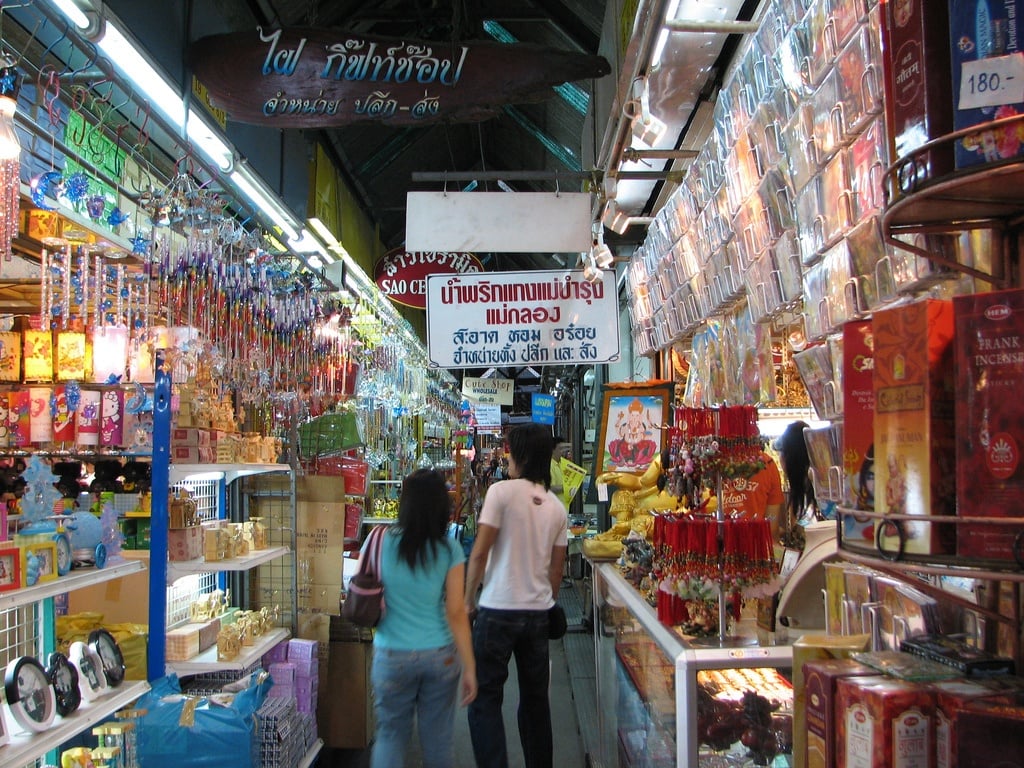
[(92, 682), (64, 679), (64, 553), (106, 647), (29, 694)]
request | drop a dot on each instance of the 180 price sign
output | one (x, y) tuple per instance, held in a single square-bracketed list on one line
[(992, 82)]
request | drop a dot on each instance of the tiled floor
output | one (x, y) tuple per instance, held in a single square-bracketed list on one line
[(572, 702)]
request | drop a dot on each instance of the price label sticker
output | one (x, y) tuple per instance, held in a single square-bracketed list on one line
[(992, 82)]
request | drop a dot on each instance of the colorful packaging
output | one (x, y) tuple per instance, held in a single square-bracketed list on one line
[(914, 434), (19, 404), (989, 413), (10, 356), (38, 355), (915, 62), (883, 723), (40, 417), (818, 727), (985, 46), (112, 419), (808, 650), (87, 430), (989, 733), (858, 430), (63, 417)]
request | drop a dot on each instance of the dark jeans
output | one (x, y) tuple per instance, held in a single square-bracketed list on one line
[(497, 635)]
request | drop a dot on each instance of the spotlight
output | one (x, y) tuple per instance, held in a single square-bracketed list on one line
[(603, 256)]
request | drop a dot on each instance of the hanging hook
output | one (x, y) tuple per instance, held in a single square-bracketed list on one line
[(49, 49), (444, 191), (94, 54), (557, 194), (143, 136)]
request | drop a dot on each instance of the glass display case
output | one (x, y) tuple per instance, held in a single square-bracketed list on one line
[(664, 699)]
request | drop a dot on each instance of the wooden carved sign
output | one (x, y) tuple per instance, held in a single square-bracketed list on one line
[(306, 77)]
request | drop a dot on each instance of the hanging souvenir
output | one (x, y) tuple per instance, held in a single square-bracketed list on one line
[(10, 356), (109, 352), (63, 414), (87, 431), (70, 356), (112, 419), (40, 417), (38, 355), (19, 403)]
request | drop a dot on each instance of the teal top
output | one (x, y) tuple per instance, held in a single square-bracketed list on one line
[(415, 618)]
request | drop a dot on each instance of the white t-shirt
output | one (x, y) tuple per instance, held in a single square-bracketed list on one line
[(530, 521)]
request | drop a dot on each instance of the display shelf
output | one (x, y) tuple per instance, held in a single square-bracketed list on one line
[(379, 520), (178, 568), (229, 472), (75, 579), (207, 660), (984, 196), (58, 453), (24, 748), (311, 754), (937, 565)]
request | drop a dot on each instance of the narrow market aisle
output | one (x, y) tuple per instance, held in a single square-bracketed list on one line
[(566, 675)]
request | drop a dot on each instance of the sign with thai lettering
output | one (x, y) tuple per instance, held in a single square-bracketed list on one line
[(542, 408), (315, 78), (549, 317), (500, 391), (402, 275)]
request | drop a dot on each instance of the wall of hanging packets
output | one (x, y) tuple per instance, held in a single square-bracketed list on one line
[(778, 218)]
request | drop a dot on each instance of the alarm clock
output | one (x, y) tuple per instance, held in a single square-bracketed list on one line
[(64, 679), (106, 647), (30, 696), (92, 682)]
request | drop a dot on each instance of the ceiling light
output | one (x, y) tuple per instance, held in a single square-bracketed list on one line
[(323, 232), (659, 46), (246, 182), (603, 256), (591, 272), (616, 219), (75, 14)]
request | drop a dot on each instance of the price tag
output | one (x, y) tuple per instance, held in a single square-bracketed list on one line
[(992, 82)]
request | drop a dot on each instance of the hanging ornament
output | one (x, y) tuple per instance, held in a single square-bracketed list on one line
[(116, 218), (76, 187), (49, 184)]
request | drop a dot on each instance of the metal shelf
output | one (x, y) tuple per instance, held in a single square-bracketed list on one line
[(178, 568), (75, 579), (310, 757), (25, 748), (207, 661), (229, 472)]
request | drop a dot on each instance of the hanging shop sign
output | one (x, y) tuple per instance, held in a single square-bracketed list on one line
[(521, 318), (503, 222), (542, 408), (499, 391), (315, 78), (401, 275)]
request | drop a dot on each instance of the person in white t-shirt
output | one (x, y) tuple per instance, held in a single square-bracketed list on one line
[(518, 556)]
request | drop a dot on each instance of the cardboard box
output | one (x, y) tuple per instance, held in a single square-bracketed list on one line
[(988, 733), (190, 436), (989, 415), (916, 66), (813, 648), (858, 430), (185, 543), (984, 38), (814, 739), (951, 696), (883, 722), (914, 429), (346, 722)]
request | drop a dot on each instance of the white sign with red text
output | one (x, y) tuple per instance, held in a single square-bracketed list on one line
[(507, 319)]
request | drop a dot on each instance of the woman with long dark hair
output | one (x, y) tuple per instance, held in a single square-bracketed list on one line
[(423, 641), (796, 464)]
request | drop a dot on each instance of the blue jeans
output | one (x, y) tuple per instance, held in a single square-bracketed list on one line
[(420, 683), (497, 635)]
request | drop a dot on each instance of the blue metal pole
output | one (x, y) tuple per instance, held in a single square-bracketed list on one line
[(159, 520)]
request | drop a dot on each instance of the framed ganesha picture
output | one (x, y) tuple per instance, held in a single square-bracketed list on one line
[(634, 418)]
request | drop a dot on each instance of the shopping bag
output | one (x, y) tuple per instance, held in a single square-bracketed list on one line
[(364, 601)]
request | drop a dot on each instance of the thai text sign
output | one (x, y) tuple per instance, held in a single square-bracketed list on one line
[(550, 317), (498, 391), (401, 274), (542, 408), (314, 77)]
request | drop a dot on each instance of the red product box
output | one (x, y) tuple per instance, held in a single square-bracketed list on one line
[(989, 733), (989, 415), (858, 429), (820, 678), (951, 696), (884, 723), (914, 430), (916, 66)]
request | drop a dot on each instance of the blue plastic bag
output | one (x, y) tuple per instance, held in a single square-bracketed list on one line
[(180, 731)]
